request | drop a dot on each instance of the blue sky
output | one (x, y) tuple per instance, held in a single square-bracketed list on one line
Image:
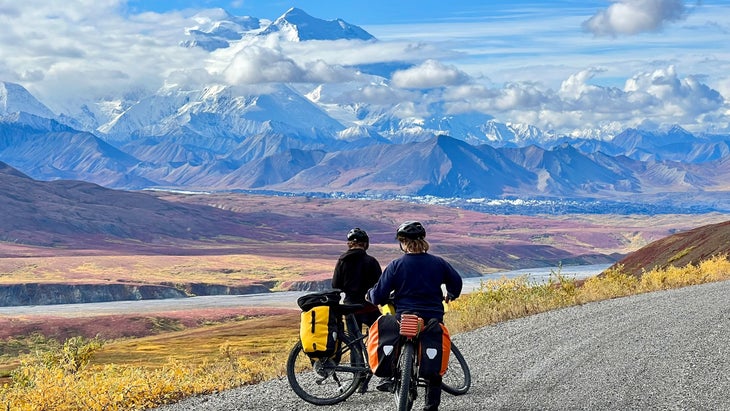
[(572, 66), (373, 12)]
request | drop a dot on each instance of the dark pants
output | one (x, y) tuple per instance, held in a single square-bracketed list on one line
[(367, 316), (433, 394)]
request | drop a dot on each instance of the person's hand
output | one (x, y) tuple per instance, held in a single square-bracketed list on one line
[(448, 298)]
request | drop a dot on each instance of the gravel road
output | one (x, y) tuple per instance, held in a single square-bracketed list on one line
[(667, 350)]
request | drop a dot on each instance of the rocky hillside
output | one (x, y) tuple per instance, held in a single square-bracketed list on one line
[(66, 212), (681, 249)]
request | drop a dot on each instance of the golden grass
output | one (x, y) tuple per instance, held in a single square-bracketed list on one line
[(40, 386), (505, 299), (144, 373), (233, 269), (252, 338)]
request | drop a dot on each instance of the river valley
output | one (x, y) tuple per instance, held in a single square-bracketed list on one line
[(286, 299)]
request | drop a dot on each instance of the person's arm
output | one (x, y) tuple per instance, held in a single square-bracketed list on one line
[(338, 278), (374, 272), (453, 282), (380, 293)]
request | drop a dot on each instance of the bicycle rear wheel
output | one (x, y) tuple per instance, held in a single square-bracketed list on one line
[(324, 381), (457, 379)]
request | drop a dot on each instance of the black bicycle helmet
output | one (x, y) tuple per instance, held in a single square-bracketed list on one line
[(357, 234), (411, 229)]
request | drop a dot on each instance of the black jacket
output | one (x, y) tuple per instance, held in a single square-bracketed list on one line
[(355, 273)]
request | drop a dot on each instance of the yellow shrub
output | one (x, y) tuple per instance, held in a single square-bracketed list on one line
[(42, 385), (716, 268), (712, 269), (504, 299), (613, 283)]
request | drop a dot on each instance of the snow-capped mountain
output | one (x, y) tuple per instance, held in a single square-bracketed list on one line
[(14, 98), (184, 151), (297, 25), (222, 111), (318, 137), (217, 110), (217, 28)]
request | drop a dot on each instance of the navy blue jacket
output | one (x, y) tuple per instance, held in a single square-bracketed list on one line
[(415, 280)]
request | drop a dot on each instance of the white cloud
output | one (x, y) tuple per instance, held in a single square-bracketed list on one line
[(682, 98), (429, 74), (256, 64), (321, 72), (660, 96), (635, 16), (543, 69), (64, 52), (377, 94), (268, 60), (354, 52)]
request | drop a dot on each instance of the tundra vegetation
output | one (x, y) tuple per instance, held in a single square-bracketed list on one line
[(90, 374)]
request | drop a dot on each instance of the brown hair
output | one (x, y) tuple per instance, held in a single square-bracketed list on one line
[(412, 246), (357, 244)]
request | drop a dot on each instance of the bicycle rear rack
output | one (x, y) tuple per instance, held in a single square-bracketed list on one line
[(410, 325)]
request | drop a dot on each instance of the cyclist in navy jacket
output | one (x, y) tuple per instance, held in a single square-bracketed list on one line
[(413, 283)]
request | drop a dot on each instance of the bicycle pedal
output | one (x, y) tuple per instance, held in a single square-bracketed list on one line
[(385, 386)]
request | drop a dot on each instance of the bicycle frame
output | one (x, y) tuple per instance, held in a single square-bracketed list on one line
[(328, 381), (355, 332)]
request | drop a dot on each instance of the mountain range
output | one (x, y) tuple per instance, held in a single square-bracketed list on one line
[(316, 139)]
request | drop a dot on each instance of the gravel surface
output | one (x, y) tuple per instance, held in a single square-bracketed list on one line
[(667, 350)]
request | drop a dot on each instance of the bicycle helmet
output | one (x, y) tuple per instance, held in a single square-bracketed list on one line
[(357, 234), (411, 229)]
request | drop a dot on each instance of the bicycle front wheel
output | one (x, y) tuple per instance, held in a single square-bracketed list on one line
[(457, 379), (404, 379), (325, 381)]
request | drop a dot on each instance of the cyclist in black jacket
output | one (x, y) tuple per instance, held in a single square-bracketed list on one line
[(355, 272), (413, 283)]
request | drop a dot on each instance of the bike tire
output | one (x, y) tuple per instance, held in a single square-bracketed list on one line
[(457, 379), (322, 381), (405, 378)]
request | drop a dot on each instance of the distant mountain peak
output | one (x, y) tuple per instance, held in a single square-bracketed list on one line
[(294, 14), (14, 98), (297, 25), (216, 28)]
